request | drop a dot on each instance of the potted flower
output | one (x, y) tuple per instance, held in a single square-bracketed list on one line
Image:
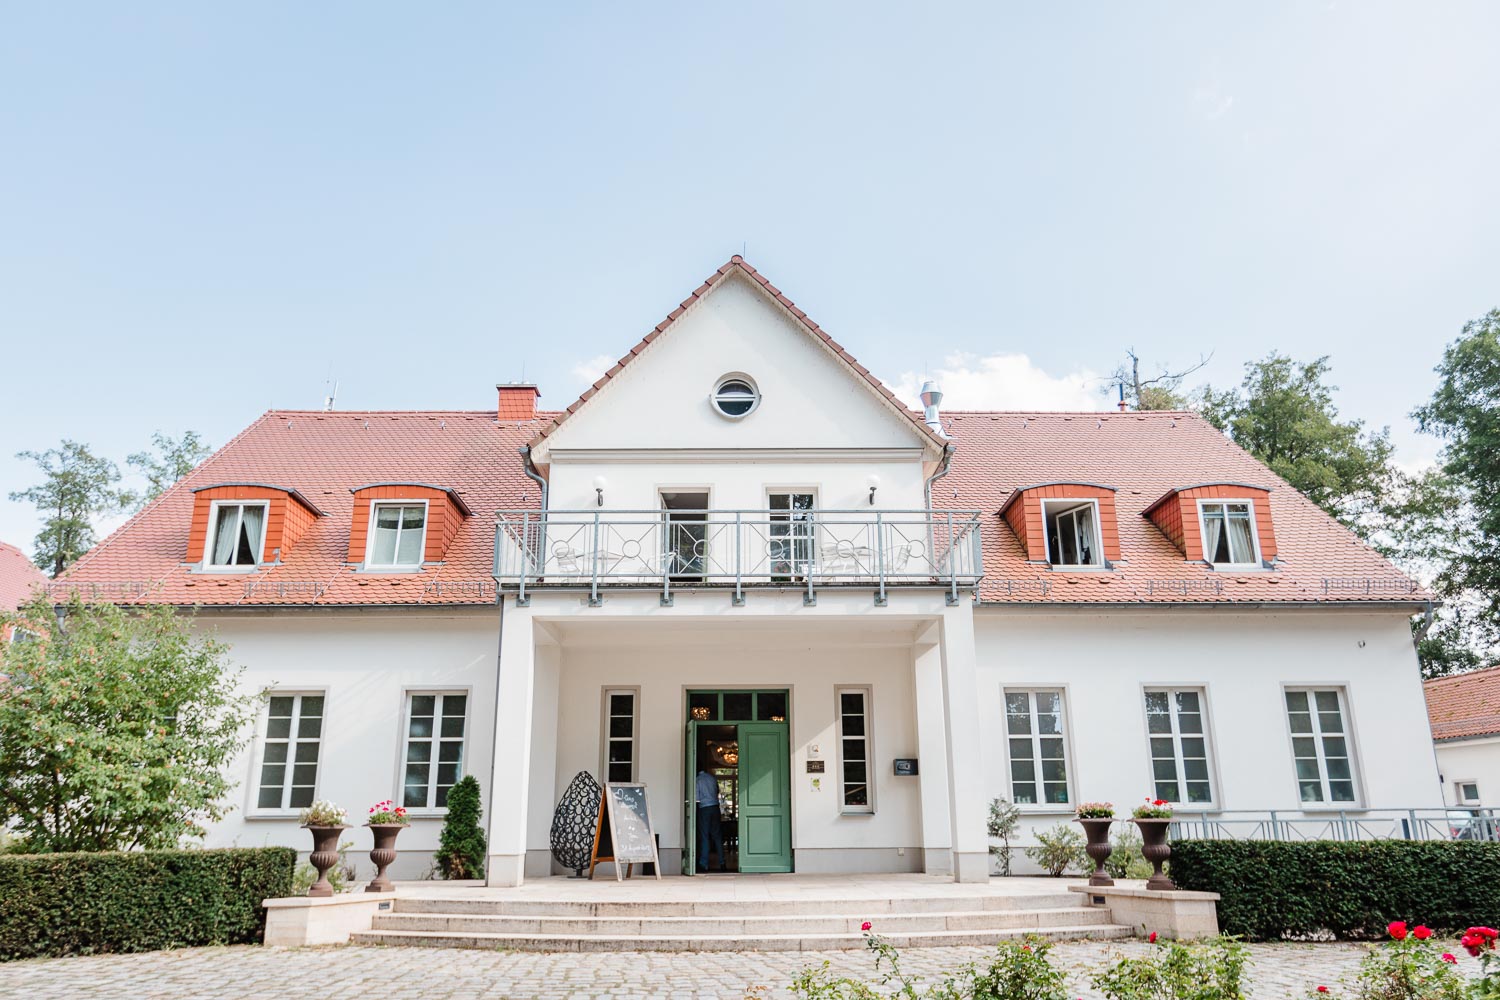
[(1096, 818), (386, 821), (1154, 818), (326, 821)]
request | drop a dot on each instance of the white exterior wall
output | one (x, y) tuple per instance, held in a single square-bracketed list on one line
[(1476, 760), (363, 662), (1241, 660)]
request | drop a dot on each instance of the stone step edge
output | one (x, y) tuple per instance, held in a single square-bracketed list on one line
[(709, 908), (1054, 912)]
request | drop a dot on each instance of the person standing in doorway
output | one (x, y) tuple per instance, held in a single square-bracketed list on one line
[(707, 796)]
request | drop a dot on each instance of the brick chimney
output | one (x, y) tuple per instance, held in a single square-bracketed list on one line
[(517, 401)]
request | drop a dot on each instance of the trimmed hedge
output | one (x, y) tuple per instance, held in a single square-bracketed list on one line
[(78, 904), (1275, 889)]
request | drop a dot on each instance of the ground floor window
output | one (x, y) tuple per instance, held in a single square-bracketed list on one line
[(1036, 739), (1179, 745), (854, 749), (619, 734), (434, 761), (1320, 744), (289, 751)]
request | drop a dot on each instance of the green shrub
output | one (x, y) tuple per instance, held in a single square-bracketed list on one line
[(341, 876), (1351, 889), (1059, 850), (1004, 818), (76, 904), (1173, 970), (1126, 860), (461, 846), (1017, 970)]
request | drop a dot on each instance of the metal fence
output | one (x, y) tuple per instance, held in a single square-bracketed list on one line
[(737, 549), (1456, 823)]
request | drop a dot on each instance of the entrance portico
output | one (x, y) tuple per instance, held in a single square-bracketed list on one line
[(568, 671)]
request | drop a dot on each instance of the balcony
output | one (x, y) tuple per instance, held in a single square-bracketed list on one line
[(737, 550)]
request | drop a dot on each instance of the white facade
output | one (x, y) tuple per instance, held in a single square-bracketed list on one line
[(1469, 766)]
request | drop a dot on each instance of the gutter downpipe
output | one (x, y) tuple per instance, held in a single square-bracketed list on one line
[(942, 471), (541, 525)]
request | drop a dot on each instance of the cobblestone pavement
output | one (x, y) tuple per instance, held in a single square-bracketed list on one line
[(250, 973)]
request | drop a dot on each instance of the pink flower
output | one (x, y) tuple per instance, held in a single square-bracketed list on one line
[(1397, 930), (1450, 959), (1421, 932), (865, 926)]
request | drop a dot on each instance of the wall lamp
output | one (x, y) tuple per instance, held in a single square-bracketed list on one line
[(599, 484), (874, 482)]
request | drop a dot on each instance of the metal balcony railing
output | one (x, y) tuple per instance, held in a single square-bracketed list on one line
[(737, 549), (1455, 823)]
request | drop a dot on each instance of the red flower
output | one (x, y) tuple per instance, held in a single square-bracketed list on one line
[(1152, 937), (1421, 932), (1322, 989), (1449, 958), (865, 926), (1025, 947), (1472, 943), (1159, 802), (1397, 930), (1488, 932)]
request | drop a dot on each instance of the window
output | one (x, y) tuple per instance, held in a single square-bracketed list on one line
[(1036, 739), (239, 534), (434, 747), (735, 396), (398, 532), (1228, 533), (619, 734), (791, 531), (289, 753), (1179, 746), (854, 749), (1466, 792), (1072, 533), (1320, 745)]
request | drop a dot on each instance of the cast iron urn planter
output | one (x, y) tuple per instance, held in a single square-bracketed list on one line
[(325, 854), (1096, 832), (383, 854), (1156, 850)]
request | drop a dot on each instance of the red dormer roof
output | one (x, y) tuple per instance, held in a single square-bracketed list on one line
[(1464, 706)]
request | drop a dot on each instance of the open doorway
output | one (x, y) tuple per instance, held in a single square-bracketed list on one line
[(718, 754), (685, 534), (737, 753)]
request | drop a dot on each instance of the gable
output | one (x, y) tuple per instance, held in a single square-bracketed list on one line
[(811, 394)]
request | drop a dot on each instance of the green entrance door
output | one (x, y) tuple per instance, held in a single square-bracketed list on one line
[(765, 797)]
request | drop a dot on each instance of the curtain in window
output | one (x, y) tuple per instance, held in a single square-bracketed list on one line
[(1241, 547), (251, 519), (1213, 527), (410, 552), (224, 536), (1088, 552), (387, 524)]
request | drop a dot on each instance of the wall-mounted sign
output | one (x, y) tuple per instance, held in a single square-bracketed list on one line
[(815, 767), (906, 766)]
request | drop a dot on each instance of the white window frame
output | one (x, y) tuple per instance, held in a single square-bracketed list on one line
[(813, 530), (1211, 758), (605, 739), (1073, 503), (866, 693), (212, 535), (1065, 722), (253, 808), (1346, 714), (1255, 556), (1459, 798), (436, 740), (370, 535), (721, 381)]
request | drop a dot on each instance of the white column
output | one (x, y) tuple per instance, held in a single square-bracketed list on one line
[(543, 792), (971, 852), (506, 863), (932, 752)]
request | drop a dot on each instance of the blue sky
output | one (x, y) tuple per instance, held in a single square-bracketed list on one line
[(207, 211)]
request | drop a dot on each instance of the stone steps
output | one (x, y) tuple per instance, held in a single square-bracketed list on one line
[(866, 908)]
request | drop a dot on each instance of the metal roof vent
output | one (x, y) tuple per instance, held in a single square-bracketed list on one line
[(931, 396)]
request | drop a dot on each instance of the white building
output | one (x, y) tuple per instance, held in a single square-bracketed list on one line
[(739, 547), (1464, 710)]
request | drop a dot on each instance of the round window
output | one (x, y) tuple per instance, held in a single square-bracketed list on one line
[(735, 396)]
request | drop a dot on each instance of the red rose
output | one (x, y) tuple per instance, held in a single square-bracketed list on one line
[(1421, 932), (1322, 989), (865, 926), (1488, 932), (1152, 937), (1471, 943), (1449, 958), (1025, 947), (1397, 930)]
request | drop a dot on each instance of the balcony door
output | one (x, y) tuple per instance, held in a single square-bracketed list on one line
[(684, 516), (791, 535)]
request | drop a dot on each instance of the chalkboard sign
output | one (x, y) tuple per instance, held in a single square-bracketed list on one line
[(623, 833)]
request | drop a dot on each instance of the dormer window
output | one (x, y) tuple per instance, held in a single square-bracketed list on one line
[(1228, 533), (399, 536), (1072, 532), (239, 535)]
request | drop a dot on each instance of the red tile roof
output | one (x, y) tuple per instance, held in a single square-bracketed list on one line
[(1464, 705), (738, 264), (325, 455), (18, 577)]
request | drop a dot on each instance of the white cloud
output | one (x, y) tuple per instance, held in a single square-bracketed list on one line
[(592, 369), (1004, 382), (1211, 102)]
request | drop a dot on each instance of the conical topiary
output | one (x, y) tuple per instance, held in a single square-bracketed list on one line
[(460, 852)]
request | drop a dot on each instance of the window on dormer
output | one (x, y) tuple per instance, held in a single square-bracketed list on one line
[(397, 535), (1072, 533), (1228, 533), (239, 534)]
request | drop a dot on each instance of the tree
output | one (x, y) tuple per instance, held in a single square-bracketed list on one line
[(115, 727), (77, 486), (461, 846), (1005, 817), (172, 459), (1160, 392), (1283, 414)]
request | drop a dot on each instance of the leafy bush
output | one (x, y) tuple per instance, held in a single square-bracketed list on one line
[(1004, 818), (1174, 970), (1060, 849), (1409, 967), (342, 875), (75, 904), (1126, 860), (1279, 889), (461, 846), (1016, 971)]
